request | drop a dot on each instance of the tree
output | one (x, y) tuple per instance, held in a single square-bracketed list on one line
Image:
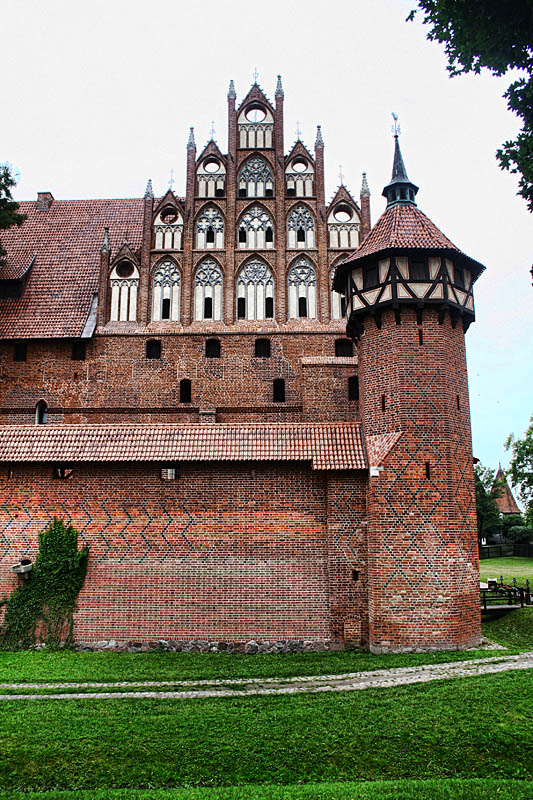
[(487, 490), (496, 35), (8, 207), (521, 468)]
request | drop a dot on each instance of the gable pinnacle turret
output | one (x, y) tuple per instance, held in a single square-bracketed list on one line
[(400, 189), (279, 88), (365, 191), (191, 144), (105, 247), (319, 141), (232, 94), (149, 190)]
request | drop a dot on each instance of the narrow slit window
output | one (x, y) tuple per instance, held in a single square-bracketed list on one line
[(165, 308), (458, 399), (279, 390), (208, 308), (20, 351), (241, 308), (269, 307), (428, 471), (185, 391), (420, 336), (353, 388), (383, 404), (262, 348), (212, 348), (343, 348), (153, 349)]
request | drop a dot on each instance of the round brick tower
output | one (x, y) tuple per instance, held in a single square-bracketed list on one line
[(409, 303)]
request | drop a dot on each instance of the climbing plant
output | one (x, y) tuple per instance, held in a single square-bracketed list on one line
[(41, 608)]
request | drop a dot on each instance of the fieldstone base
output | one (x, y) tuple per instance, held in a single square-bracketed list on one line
[(204, 646)]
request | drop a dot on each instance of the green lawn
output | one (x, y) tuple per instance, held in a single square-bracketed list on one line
[(510, 567)]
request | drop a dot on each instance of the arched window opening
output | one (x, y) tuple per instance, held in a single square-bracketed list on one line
[(255, 127), (124, 280), (353, 388), (255, 291), (299, 177), (168, 229), (336, 300), (41, 413), (208, 291), (256, 229), (153, 348), (279, 390), (78, 350), (262, 348), (210, 229), (211, 176), (166, 292), (302, 289), (343, 348), (301, 228), (212, 348), (185, 391), (256, 179), (343, 226)]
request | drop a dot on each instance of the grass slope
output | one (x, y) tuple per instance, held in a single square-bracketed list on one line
[(451, 789), (510, 567), (478, 727)]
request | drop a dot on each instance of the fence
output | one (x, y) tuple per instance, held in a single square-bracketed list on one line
[(502, 550)]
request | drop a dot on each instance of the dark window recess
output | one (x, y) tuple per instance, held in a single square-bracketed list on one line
[(241, 308), (269, 193), (153, 348), (210, 236), (291, 192), (262, 348), (208, 308), (343, 306), (279, 390), (302, 306), (269, 307), (383, 404), (458, 403), (219, 192), (420, 336), (165, 308), (269, 235), (418, 270), (343, 348), (62, 472), (459, 277), (78, 350), (403, 194), (428, 471), (242, 193), (185, 391), (212, 348), (20, 351), (370, 277), (355, 575), (41, 413), (242, 235), (300, 235), (353, 388)]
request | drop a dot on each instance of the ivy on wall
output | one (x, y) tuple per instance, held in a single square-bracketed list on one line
[(41, 608)]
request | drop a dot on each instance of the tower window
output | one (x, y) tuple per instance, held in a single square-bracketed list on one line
[(208, 308), (343, 348), (383, 404), (370, 277), (153, 348), (241, 308), (302, 306), (459, 277), (428, 471), (41, 413), (458, 403), (420, 336), (279, 390), (418, 270), (165, 308), (212, 348), (262, 348), (78, 350), (185, 391), (353, 388), (20, 351)]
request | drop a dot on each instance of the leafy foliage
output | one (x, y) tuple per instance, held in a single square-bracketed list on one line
[(496, 35), (8, 207), (520, 533), (521, 468), (42, 606), (487, 491)]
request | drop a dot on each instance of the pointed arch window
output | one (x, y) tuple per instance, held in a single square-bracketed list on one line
[(337, 301), (302, 289), (210, 229), (255, 291), (166, 291), (301, 228), (41, 413), (168, 229), (256, 229), (208, 291), (124, 280), (256, 179)]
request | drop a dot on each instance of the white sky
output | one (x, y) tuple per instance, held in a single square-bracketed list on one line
[(100, 97)]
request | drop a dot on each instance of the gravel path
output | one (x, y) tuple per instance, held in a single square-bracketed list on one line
[(243, 687)]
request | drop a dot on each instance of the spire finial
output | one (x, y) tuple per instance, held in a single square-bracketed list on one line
[(341, 175), (319, 141), (105, 247), (400, 189), (232, 94), (255, 75), (212, 131), (365, 191), (171, 181), (149, 190), (191, 144), (279, 88), (298, 131), (396, 130)]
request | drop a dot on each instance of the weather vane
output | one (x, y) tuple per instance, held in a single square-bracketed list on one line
[(212, 131), (171, 181), (255, 75), (298, 131), (341, 176), (396, 130)]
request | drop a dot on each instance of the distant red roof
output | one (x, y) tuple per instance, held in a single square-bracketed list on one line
[(506, 502), (326, 445), (65, 241)]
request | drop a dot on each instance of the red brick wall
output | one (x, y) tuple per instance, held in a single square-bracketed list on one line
[(225, 552), (423, 560)]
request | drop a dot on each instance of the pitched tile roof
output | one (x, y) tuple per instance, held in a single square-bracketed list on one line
[(66, 241), (327, 445), (505, 502), (404, 227), (378, 446)]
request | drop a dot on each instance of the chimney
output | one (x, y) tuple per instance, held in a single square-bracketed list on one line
[(44, 200)]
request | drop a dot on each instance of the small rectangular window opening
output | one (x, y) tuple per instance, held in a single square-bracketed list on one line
[(63, 472), (343, 348), (78, 350), (153, 349), (420, 336), (269, 307), (242, 192), (355, 575), (353, 388), (185, 391), (208, 308), (212, 348), (241, 308), (269, 192), (458, 403), (370, 277), (383, 402), (262, 348), (418, 270), (279, 390), (302, 306), (242, 235), (165, 308), (20, 351), (428, 471)]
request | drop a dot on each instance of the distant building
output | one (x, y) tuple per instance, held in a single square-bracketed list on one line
[(505, 501)]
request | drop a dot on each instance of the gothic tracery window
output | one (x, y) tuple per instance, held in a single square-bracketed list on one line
[(337, 300), (299, 177), (301, 228), (343, 226), (256, 179), (211, 177), (255, 291), (124, 280), (168, 229), (166, 290), (208, 290), (256, 229), (256, 126), (302, 289), (210, 229)]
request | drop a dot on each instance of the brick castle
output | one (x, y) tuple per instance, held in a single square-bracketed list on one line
[(252, 405)]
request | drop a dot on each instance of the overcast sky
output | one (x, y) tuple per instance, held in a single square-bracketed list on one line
[(100, 97)]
